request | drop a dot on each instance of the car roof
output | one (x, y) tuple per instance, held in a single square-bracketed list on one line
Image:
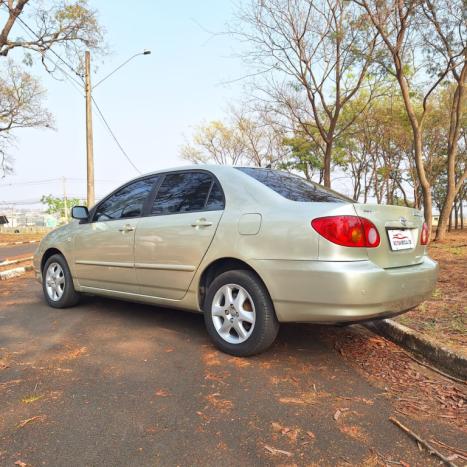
[(210, 167)]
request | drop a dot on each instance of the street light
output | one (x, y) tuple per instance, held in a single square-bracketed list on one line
[(144, 52), (89, 134)]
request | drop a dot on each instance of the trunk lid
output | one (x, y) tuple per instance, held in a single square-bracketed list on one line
[(400, 223)]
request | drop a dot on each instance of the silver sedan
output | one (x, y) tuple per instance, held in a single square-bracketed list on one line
[(248, 247)]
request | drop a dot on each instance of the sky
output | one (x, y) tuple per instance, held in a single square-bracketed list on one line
[(152, 104)]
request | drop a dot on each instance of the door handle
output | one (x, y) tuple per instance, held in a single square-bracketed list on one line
[(126, 228), (201, 223)]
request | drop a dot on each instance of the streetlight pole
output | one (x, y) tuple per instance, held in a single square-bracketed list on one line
[(89, 134)]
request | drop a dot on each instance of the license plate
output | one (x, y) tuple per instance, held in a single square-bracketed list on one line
[(401, 239)]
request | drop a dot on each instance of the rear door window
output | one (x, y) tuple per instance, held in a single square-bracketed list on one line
[(186, 192), (215, 201), (293, 187)]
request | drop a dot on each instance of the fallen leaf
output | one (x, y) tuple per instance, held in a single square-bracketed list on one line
[(275, 451), (32, 398), (21, 464), (311, 434), (291, 400), (162, 393), (276, 427), (29, 420), (339, 412)]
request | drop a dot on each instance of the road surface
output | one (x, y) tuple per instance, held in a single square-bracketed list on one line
[(11, 251), (111, 383)]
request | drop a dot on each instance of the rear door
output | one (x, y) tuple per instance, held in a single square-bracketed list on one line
[(400, 229), (104, 248), (176, 232)]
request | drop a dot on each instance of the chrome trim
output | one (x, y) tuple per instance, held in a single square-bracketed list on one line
[(166, 267), (110, 264)]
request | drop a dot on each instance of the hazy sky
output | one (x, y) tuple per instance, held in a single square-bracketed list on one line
[(150, 104)]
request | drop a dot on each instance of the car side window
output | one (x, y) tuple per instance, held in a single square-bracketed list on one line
[(127, 202), (215, 201), (183, 192)]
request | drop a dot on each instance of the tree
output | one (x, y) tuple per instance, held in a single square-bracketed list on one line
[(376, 148), (241, 139), (56, 205), (313, 57), (45, 30), (426, 46), (70, 26), (21, 99), (304, 156)]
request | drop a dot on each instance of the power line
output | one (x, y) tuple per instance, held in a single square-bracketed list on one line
[(40, 38), (114, 137), (46, 181), (72, 80), (76, 84)]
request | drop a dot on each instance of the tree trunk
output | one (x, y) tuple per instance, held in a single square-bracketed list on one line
[(424, 183), (462, 213), (445, 216), (453, 188), (327, 165)]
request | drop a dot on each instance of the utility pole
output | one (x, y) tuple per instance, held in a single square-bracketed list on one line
[(89, 136), (65, 201)]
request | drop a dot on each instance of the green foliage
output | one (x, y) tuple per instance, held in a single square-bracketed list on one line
[(304, 155), (56, 205)]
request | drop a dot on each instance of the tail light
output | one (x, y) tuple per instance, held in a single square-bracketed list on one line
[(424, 236), (350, 231)]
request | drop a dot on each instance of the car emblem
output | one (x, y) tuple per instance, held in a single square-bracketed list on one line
[(403, 221)]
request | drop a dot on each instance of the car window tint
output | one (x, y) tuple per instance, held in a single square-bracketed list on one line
[(182, 192), (216, 198), (293, 187), (126, 202)]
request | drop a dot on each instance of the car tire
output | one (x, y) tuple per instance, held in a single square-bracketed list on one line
[(244, 324), (57, 283)]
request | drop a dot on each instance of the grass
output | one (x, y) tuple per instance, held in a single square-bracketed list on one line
[(32, 398)]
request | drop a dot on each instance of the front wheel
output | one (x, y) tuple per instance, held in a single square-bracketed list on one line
[(57, 283), (239, 314)]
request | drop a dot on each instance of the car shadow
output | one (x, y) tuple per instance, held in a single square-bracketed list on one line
[(301, 337)]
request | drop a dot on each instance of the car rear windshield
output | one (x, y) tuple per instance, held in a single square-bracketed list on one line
[(293, 187)]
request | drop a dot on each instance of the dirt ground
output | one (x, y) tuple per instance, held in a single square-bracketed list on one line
[(444, 316), (113, 383), (20, 237)]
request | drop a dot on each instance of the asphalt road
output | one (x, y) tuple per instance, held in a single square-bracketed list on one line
[(11, 251), (110, 383)]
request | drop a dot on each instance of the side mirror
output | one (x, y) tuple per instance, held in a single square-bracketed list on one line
[(80, 212)]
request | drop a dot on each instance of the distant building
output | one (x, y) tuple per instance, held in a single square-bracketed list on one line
[(22, 218)]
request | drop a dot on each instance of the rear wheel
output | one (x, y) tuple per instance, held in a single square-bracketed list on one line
[(239, 314), (57, 283)]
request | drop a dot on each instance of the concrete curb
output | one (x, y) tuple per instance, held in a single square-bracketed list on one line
[(18, 243), (15, 272), (15, 261), (441, 357)]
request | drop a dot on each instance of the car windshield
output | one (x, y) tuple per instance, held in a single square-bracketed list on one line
[(293, 187)]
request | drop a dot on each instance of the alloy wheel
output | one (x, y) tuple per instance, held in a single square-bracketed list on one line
[(55, 281), (233, 313)]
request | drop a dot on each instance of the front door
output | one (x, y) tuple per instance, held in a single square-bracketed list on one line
[(172, 239), (104, 247)]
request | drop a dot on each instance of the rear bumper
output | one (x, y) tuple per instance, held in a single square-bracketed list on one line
[(341, 292)]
